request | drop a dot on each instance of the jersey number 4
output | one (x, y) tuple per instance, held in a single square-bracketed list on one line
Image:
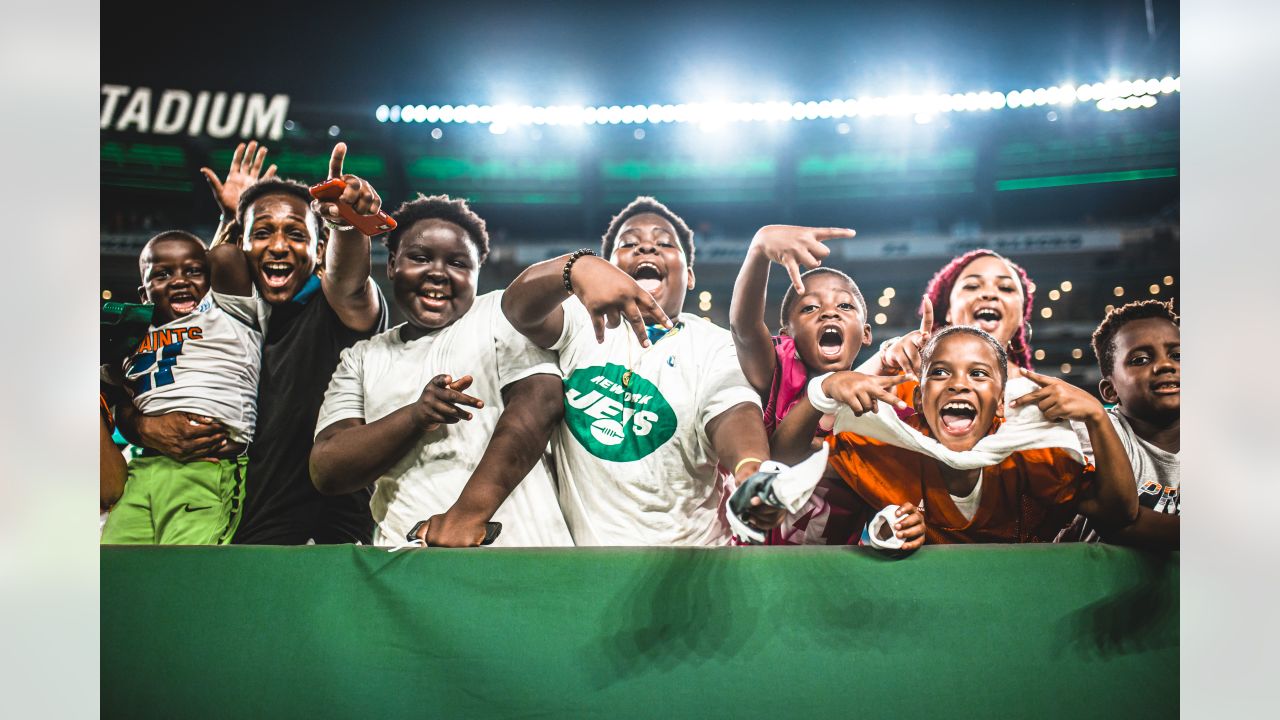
[(153, 369)]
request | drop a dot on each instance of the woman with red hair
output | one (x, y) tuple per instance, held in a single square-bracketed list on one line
[(980, 288)]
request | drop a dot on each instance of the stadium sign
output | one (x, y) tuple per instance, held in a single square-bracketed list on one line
[(172, 111)]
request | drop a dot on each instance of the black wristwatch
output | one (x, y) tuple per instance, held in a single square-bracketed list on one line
[(413, 534)]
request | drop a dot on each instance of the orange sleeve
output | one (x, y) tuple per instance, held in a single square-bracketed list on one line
[(906, 392), (1054, 477)]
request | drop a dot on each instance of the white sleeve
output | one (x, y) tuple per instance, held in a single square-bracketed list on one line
[(575, 319), (253, 311), (517, 357), (722, 385), (344, 399)]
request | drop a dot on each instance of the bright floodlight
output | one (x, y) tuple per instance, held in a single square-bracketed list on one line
[(382, 113)]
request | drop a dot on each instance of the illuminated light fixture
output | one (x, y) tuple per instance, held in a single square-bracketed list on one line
[(1077, 353), (1066, 368), (1054, 294), (1039, 354), (436, 133), (881, 318), (889, 292), (1046, 313), (704, 296), (1066, 286), (1110, 308), (1117, 94), (1168, 279), (843, 128), (638, 134), (1118, 291), (106, 294), (1155, 289), (884, 301), (498, 129)]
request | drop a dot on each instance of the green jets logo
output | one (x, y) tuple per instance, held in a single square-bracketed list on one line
[(616, 414)]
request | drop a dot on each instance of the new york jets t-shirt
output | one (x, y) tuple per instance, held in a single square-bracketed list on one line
[(634, 462), (380, 375)]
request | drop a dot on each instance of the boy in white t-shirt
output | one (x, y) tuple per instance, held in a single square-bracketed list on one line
[(202, 355), (652, 406), (448, 414)]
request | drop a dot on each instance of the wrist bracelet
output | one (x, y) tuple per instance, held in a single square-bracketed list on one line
[(744, 461), (335, 226), (819, 399), (568, 266)]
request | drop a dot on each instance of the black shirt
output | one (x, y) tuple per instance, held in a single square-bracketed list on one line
[(303, 344)]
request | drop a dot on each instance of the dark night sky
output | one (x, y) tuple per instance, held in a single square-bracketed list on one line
[(604, 53)]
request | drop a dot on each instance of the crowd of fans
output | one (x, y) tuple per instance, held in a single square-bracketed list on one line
[(581, 406)]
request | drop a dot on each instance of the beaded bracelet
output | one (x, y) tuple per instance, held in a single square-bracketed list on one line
[(568, 286)]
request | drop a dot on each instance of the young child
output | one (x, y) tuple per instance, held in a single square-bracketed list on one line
[(823, 326), (201, 357), (1019, 487), (1138, 346)]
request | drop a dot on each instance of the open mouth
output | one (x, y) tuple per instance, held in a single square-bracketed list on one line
[(987, 319), (434, 300), (182, 303), (1167, 387), (277, 274), (957, 417), (830, 341), (648, 276)]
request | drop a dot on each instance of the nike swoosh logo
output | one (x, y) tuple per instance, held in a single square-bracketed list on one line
[(188, 508)]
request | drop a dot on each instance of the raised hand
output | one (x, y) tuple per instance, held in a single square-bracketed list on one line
[(792, 246), (903, 355), (611, 297), (245, 171), (862, 392), (1059, 399), (441, 400), (359, 193)]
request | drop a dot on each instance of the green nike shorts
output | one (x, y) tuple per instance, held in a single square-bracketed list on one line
[(166, 502)]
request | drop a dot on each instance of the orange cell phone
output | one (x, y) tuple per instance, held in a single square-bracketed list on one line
[(370, 225)]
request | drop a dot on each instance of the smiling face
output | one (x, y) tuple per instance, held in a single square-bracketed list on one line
[(648, 250), (433, 275), (280, 239), (175, 276), (827, 324), (1146, 373), (962, 390), (988, 296)]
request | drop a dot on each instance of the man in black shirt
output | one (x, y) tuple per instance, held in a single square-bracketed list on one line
[(317, 310)]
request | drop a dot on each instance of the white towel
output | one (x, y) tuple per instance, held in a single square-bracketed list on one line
[(882, 519), (1024, 428)]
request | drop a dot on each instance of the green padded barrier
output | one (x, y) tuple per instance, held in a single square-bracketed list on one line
[(1070, 631)]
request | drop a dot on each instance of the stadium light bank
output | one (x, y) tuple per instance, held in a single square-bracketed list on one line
[(1111, 95)]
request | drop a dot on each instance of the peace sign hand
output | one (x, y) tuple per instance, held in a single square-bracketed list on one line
[(792, 246), (245, 171), (359, 193), (1059, 400), (861, 392), (903, 355)]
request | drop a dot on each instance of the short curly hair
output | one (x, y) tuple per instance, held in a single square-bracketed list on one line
[(276, 186), (789, 297), (647, 205), (926, 353), (439, 207), (939, 293), (165, 236), (1104, 337)]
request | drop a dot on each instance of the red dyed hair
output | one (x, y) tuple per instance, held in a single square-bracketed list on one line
[(939, 293)]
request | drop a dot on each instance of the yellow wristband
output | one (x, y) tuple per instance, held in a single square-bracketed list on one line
[(744, 461)]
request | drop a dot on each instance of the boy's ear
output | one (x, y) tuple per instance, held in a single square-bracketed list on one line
[(691, 279), (142, 294), (1000, 408), (391, 264), (1108, 391), (866, 334), (915, 400)]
